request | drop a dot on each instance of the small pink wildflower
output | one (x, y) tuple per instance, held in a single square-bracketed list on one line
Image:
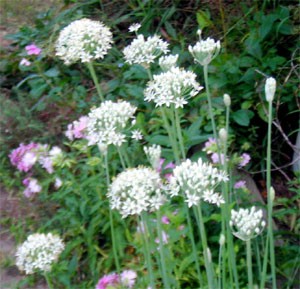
[(32, 187), (209, 145), (240, 184), (165, 220), (215, 158), (32, 49), (165, 238), (77, 128), (25, 62), (128, 278), (245, 160), (108, 280), (168, 166)]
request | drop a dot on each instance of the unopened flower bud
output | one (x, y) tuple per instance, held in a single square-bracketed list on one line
[(272, 194), (208, 255), (223, 135), (227, 100), (222, 240), (270, 88)]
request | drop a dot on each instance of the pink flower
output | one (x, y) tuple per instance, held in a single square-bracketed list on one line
[(32, 187), (209, 145), (165, 220), (32, 49), (240, 184), (161, 168), (107, 280), (215, 158), (128, 278), (245, 160), (165, 238), (77, 128), (25, 62), (24, 157)]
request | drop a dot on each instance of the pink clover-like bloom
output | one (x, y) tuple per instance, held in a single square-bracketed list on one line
[(32, 49), (108, 280)]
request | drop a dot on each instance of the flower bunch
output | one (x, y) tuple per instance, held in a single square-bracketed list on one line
[(167, 62), (153, 154), (25, 156), (204, 51), (107, 122), (136, 190), (247, 223), (39, 252), (114, 281), (83, 40), (144, 52), (197, 181), (32, 187), (50, 158), (76, 129), (174, 86)]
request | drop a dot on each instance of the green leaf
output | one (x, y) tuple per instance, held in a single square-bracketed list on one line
[(242, 117), (52, 72), (158, 139), (203, 19)]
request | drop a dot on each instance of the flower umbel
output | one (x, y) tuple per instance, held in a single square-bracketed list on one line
[(39, 252), (83, 40), (167, 62), (136, 190), (204, 51), (107, 123), (197, 181), (144, 52), (175, 86), (153, 154), (247, 223)]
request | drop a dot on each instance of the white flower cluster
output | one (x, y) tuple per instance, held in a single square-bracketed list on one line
[(247, 223), (83, 40), (144, 52), (153, 154), (204, 51), (136, 190), (172, 87), (167, 62), (39, 252), (134, 27), (107, 122), (197, 181)]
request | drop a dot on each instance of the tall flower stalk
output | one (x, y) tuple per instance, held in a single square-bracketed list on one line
[(95, 79)]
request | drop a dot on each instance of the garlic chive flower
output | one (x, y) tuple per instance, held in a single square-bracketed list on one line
[(83, 40), (135, 191), (144, 52), (204, 51), (107, 123), (39, 252), (134, 27), (197, 181), (270, 88), (175, 86), (153, 154), (167, 62), (247, 223)]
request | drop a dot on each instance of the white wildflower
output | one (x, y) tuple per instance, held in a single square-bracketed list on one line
[(39, 252), (83, 40), (197, 181), (134, 27), (107, 123), (247, 223), (204, 51), (135, 191), (58, 183), (270, 88), (167, 62), (153, 154), (175, 86), (136, 134), (144, 52), (226, 99)]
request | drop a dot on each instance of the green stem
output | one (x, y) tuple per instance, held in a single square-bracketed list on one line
[(194, 249), (170, 134), (249, 264), (48, 281), (161, 252), (95, 79), (270, 200), (265, 263), (111, 221), (207, 261), (179, 132), (121, 158), (146, 248)]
